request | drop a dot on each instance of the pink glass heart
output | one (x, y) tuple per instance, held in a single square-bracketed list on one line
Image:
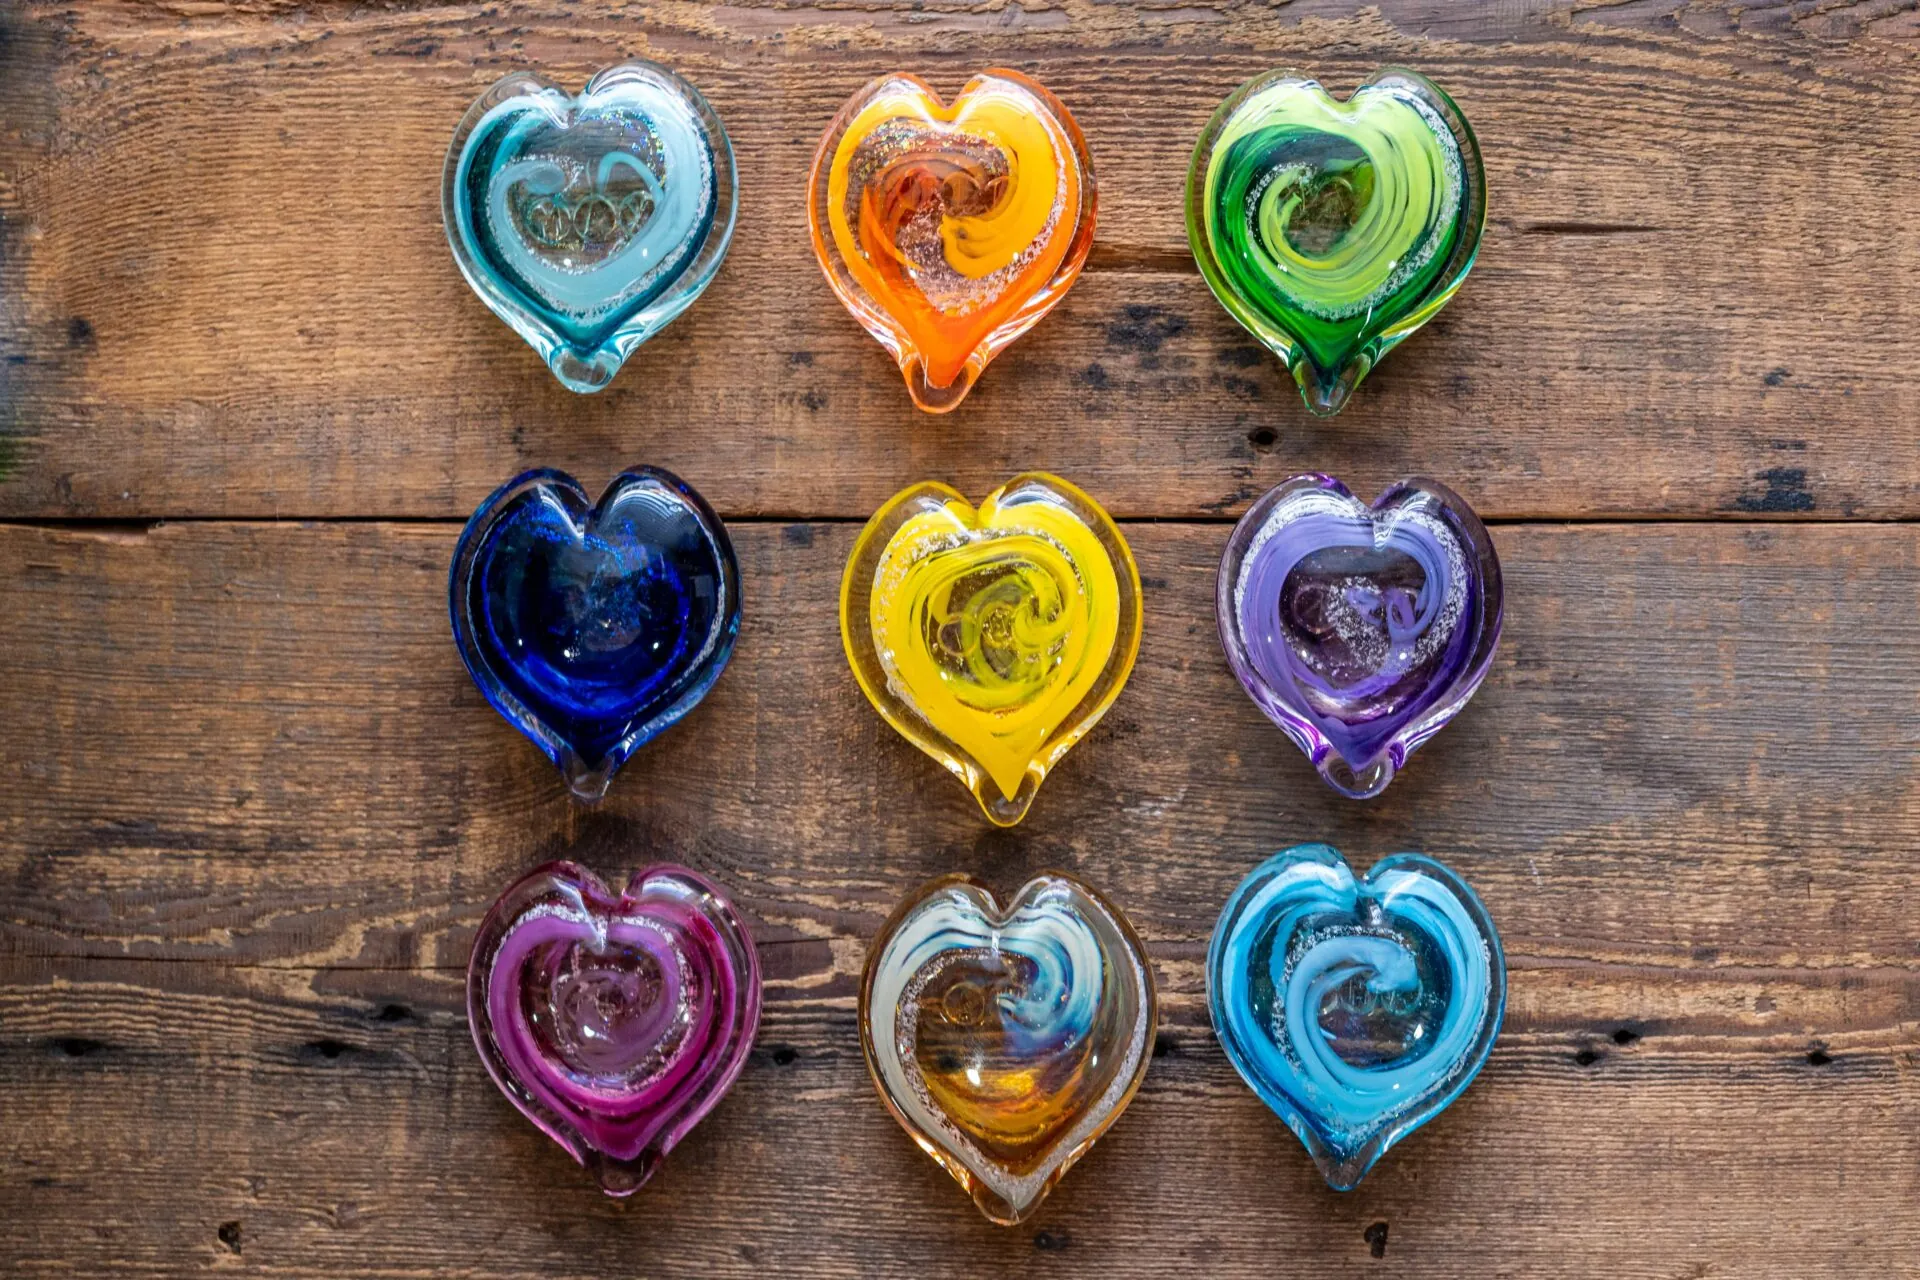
[(1359, 630), (614, 1022)]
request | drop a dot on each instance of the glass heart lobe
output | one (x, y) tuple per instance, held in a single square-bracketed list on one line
[(1006, 1040), (593, 627), (614, 1022), (589, 222), (1360, 631)]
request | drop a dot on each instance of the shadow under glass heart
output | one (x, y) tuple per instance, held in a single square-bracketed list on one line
[(593, 627)]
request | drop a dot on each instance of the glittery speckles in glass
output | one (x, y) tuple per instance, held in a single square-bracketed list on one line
[(614, 1021), (948, 231), (1356, 1009), (1359, 630), (992, 638), (589, 222), (1006, 1041), (592, 627), (1333, 230)]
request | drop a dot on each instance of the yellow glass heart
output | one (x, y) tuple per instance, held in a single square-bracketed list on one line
[(992, 638)]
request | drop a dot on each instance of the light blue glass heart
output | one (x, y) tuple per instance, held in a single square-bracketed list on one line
[(1356, 1009), (588, 223)]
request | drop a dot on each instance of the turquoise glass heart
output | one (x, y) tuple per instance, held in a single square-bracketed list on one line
[(589, 222), (1356, 1009), (592, 627), (1333, 230)]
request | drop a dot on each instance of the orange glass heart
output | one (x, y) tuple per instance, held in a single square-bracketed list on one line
[(948, 231)]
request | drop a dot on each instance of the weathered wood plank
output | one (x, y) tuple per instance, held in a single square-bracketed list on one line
[(251, 809), (255, 743), (337, 1123), (227, 290)]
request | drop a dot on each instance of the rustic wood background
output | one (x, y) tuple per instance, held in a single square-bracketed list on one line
[(251, 808)]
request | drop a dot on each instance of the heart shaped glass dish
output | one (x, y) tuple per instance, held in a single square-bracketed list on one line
[(589, 221), (950, 229), (992, 637), (1333, 230), (1357, 1009), (614, 1021), (1007, 1040), (1361, 631), (592, 627)]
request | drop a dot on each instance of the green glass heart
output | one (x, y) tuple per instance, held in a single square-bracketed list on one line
[(1333, 230)]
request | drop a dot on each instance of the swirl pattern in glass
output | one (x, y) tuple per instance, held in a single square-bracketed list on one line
[(1333, 230), (1357, 1010), (593, 627), (1006, 1041), (992, 638), (614, 1022), (948, 231), (588, 223), (1359, 630)]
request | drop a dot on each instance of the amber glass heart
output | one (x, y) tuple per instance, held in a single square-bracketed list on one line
[(1006, 1041), (948, 231), (992, 637)]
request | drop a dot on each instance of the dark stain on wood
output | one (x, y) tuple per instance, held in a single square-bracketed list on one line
[(1784, 490)]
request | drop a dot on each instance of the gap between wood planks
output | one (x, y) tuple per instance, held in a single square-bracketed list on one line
[(1167, 950)]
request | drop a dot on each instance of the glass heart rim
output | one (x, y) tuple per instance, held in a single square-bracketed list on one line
[(879, 323), (588, 780), (980, 896), (1375, 339), (857, 637), (598, 901), (1364, 779), (1344, 1172), (588, 370)]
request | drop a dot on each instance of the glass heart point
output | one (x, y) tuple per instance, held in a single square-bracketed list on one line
[(1360, 631), (949, 230), (589, 222), (1006, 1041), (1356, 1009), (1333, 230), (614, 1022), (993, 638), (592, 627)]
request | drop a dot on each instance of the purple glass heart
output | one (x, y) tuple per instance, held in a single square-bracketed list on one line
[(1359, 630), (614, 1022)]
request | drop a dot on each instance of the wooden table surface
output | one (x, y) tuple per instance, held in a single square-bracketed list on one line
[(251, 807)]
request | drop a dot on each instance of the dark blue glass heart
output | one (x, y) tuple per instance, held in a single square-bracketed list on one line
[(592, 627)]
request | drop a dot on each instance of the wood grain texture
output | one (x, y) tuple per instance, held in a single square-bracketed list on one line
[(257, 809), (251, 808), (226, 290)]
